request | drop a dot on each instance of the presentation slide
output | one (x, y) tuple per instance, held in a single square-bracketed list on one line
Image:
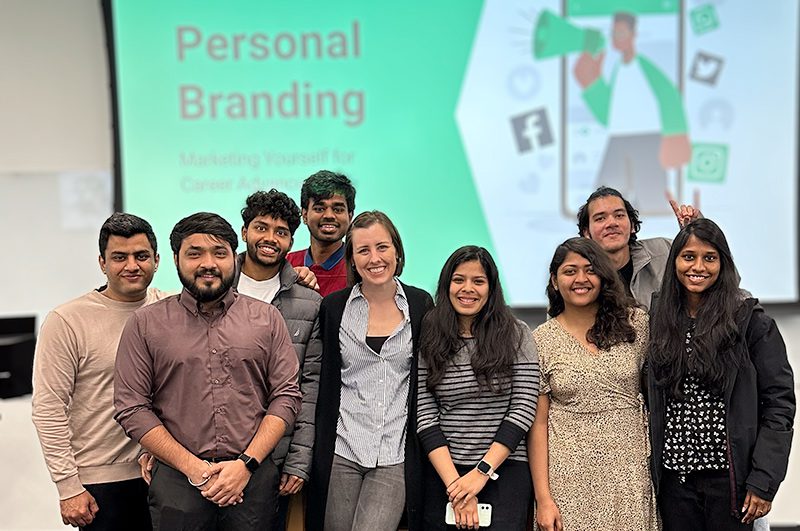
[(469, 122)]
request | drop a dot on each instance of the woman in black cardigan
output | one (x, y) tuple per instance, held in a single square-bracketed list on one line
[(353, 319), (721, 391)]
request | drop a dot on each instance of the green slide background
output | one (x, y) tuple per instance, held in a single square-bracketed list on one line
[(407, 156)]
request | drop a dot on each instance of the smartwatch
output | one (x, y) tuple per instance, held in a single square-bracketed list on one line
[(250, 462), (486, 469)]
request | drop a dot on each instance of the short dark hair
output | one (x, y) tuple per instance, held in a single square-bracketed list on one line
[(125, 225), (202, 223), (627, 18), (605, 191), (274, 204), (362, 221), (323, 184)]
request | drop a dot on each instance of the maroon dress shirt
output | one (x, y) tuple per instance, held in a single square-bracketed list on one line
[(209, 379)]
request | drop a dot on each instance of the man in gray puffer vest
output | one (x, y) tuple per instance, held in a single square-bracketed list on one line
[(269, 222)]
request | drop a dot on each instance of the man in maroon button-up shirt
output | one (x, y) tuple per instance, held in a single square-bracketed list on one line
[(207, 382)]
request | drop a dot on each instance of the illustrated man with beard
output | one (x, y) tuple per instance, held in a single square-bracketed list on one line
[(328, 201), (270, 220), (206, 381)]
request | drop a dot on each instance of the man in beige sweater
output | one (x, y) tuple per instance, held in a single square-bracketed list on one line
[(91, 461)]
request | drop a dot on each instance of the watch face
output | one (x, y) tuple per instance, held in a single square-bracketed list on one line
[(484, 467), (249, 462)]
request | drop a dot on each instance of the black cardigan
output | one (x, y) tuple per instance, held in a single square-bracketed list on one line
[(760, 408), (327, 415)]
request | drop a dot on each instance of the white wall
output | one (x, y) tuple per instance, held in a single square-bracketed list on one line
[(55, 117)]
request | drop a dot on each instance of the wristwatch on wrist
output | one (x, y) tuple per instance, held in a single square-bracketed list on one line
[(250, 462), (486, 469)]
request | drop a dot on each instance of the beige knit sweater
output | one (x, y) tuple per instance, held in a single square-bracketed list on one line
[(73, 390)]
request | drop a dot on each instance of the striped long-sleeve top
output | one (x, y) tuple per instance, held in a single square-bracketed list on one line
[(468, 419)]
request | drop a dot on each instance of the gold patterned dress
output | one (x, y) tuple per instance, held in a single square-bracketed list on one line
[(598, 442)]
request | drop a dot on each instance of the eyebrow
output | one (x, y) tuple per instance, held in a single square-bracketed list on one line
[(277, 225), (137, 251), (201, 248)]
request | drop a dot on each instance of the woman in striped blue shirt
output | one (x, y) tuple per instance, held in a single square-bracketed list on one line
[(366, 467), (477, 392)]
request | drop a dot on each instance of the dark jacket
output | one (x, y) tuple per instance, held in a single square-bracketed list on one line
[(330, 386), (759, 406), (299, 307)]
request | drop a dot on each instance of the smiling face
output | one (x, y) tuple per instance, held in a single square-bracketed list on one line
[(609, 224), (576, 281), (206, 266), (469, 291), (374, 255), (268, 241), (129, 265), (697, 267), (327, 219)]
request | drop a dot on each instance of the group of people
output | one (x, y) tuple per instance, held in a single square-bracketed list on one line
[(657, 394)]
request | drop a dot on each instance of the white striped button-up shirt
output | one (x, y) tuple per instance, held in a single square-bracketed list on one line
[(371, 430)]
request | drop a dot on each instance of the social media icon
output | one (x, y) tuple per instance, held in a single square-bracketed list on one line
[(532, 128), (530, 183), (523, 82), (704, 19), (716, 112), (709, 163), (706, 68)]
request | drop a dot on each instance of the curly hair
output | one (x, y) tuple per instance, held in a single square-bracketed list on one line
[(274, 204), (497, 335), (612, 323), (605, 191)]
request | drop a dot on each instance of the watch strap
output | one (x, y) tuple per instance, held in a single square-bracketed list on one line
[(486, 469), (251, 463)]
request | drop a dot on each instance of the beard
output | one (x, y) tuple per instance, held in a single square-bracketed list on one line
[(206, 293)]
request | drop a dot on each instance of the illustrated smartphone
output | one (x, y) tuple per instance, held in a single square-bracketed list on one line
[(484, 514), (612, 132)]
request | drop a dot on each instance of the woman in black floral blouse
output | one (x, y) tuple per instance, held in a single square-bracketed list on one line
[(721, 392)]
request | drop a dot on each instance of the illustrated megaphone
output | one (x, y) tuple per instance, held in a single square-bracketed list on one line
[(554, 36)]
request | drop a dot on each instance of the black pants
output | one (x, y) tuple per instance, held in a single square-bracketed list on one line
[(701, 503), (177, 506), (122, 504), (282, 511), (509, 496)]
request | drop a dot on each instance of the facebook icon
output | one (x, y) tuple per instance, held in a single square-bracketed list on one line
[(529, 126)]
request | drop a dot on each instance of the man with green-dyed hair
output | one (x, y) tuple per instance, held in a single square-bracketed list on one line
[(643, 141), (327, 201)]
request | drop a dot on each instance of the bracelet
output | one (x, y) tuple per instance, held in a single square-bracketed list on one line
[(448, 485), (202, 482)]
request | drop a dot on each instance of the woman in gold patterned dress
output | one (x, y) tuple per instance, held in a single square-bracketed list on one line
[(588, 447)]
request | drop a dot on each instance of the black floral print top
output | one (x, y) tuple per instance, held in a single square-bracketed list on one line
[(695, 437)]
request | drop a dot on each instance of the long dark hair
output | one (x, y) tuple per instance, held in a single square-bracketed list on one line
[(715, 329), (498, 337), (612, 322)]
